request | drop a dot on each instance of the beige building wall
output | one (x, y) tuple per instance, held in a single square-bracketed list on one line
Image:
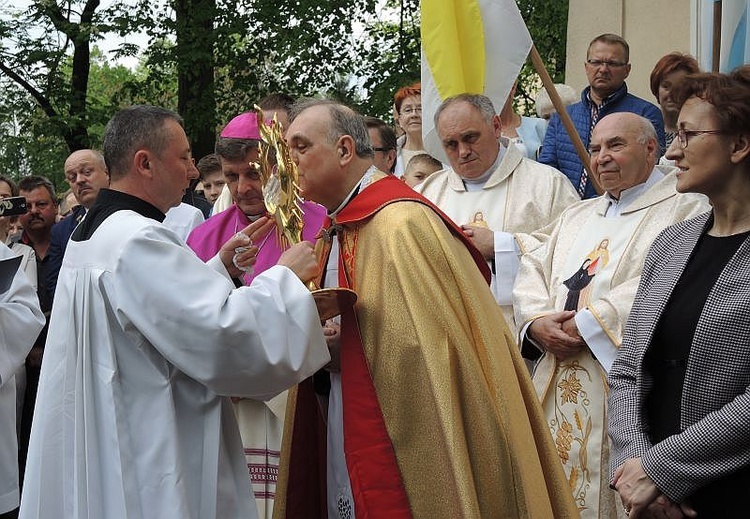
[(651, 28)]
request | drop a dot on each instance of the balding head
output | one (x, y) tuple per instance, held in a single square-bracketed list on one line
[(341, 121), (330, 144), (86, 173), (623, 151), (469, 131)]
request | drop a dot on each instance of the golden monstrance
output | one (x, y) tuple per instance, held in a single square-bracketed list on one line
[(282, 200)]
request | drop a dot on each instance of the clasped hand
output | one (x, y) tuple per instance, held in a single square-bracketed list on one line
[(640, 496), (558, 334)]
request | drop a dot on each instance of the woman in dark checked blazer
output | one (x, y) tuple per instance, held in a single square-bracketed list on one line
[(679, 416)]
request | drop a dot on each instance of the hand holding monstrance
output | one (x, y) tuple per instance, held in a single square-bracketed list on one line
[(278, 174)]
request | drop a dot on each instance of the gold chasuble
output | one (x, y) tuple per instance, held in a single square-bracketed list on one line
[(441, 419)]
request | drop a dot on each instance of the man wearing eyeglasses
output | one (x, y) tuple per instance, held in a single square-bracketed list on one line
[(573, 297), (383, 140), (607, 68)]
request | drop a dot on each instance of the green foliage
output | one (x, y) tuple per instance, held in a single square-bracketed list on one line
[(301, 47), (26, 145), (32, 142), (390, 56), (548, 25), (211, 59)]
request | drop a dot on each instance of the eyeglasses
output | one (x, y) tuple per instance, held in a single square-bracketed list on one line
[(683, 134), (384, 150), (597, 63), (412, 110)]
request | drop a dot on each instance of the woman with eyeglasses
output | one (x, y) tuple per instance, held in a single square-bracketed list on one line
[(680, 387), (408, 104)]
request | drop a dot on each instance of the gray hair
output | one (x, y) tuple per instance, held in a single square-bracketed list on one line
[(478, 101), (99, 157), (131, 129), (344, 121), (544, 106)]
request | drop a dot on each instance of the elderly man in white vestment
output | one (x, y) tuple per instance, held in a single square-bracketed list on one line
[(146, 340), (492, 190), (21, 320), (573, 295)]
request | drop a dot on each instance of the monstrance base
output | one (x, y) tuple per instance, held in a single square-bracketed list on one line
[(332, 301)]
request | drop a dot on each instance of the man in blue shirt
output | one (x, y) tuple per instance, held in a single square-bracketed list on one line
[(607, 67)]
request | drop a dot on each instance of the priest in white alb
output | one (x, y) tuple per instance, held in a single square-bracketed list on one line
[(573, 295), (21, 320), (133, 418), (492, 190)]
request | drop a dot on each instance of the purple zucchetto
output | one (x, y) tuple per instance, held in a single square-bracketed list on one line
[(244, 126)]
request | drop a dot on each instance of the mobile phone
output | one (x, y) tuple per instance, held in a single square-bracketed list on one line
[(13, 205)]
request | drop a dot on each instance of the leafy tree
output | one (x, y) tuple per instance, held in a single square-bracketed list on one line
[(29, 140), (195, 63), (301, 47), (210, 59), (34, 63), (46, 61), (390, 55), (256, 47), (548, 25), (26, 146)]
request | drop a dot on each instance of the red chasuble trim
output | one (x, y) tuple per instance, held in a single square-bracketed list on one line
[(371, 460), (377, 488), (370, 201)]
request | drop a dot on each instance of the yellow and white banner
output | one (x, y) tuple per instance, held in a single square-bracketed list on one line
[(474, 46)]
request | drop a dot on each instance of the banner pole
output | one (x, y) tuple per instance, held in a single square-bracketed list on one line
[(581, 150)]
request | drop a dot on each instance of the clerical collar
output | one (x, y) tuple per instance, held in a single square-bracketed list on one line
[(252, 217), (108, 202), (628, 196), (476, 184), (363, 183)]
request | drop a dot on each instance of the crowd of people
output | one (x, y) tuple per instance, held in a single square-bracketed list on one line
[(533, 337)]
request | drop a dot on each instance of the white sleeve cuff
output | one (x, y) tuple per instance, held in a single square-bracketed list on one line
[(216, 264), (507, 255), (596, 339)]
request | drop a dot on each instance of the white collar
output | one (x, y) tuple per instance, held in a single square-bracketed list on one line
[(475, 184), (363, 183), (628, 196)]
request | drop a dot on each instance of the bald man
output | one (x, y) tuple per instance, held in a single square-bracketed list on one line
[(573, 297), (86, 173)]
